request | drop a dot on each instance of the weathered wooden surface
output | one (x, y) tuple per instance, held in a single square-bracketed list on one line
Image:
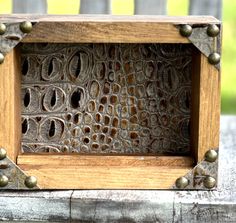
[(95, 7), (206, 7), (150, 7), (110, 18), (10, 104), (36, 206), (30, 6), (107, 29), (167, 206), (142, 7), (134, 205)]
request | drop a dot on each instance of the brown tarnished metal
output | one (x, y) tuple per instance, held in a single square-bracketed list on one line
[(1, 58), (186, 30), (11, 36), (211, 155), (106, 98), (202, 175), (16, 177), (26, 27), (207, 43), (3, 28)]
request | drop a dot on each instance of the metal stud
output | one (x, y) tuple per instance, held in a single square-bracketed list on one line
[(211, 155), (26, 27), (181, 182), (213, 30), (1, 58), (30, 181), (209, 182), (3, 153), (3, 180), (3, 28), (214, 58), (186, 30)]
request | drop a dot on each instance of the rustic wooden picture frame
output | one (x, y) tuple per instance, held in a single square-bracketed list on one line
[(58, 171)]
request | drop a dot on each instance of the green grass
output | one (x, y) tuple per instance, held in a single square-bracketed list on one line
[(180, 7)]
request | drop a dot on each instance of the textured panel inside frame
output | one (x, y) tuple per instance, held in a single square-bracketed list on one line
[(106, 98)]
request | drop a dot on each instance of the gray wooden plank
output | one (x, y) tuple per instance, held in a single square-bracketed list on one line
[(95, 7), (206, 7), (134, 205), (30, 6), (45, 206), (121, 206), (167, 206), (205, 213), (150, 7), (32, 221)]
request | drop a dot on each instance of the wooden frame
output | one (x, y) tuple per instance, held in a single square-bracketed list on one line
[(103, 172)]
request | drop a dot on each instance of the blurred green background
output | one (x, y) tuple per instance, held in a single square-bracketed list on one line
[(175, 7)]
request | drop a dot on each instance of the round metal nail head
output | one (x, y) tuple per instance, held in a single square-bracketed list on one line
[(213, 30), (209, 182), (3, 180), (30, 181), (186, 30), (214, 58), (26, 27), (1, 58), (3, 28), (3, 153), (211, 155), (181, 182)]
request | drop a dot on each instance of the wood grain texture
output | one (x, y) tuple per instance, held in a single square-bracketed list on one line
[(106, 161), (209, 108), (35, 206), (194, 120), (104, 177), (167, 206), (134, 205), (10, 133), (109, 29), (146, 207), (105, 32), (110, 18), (119, 29)]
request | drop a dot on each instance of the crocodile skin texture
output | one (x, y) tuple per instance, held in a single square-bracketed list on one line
[(106, 98)]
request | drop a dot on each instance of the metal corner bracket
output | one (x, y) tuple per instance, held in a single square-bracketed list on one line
[(203, 176), (11, 33), (206, 38), (12, 177)]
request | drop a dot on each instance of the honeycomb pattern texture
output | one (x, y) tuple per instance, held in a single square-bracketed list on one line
[(106, 98)]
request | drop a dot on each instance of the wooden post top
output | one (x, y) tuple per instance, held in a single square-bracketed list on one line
[(110, 18)]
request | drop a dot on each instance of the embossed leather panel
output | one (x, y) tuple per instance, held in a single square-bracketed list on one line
[(106, 98)]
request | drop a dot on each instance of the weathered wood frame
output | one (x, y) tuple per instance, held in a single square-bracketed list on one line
[(118, 172)]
